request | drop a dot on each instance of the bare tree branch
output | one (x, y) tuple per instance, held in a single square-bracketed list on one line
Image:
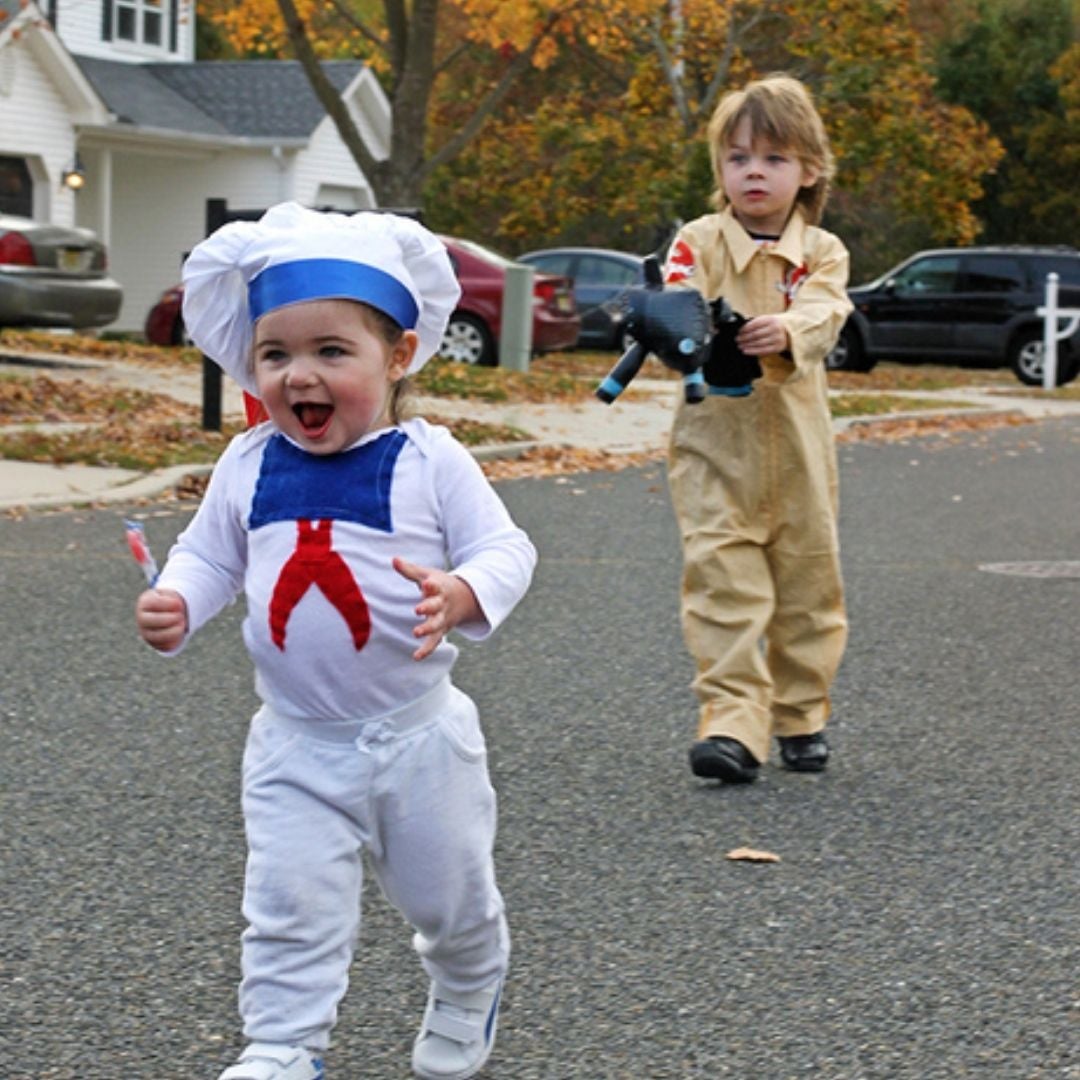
[(348, 16), (324, 89), (520, 64)]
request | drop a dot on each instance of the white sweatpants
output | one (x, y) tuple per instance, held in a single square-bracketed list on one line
[(412, 790)]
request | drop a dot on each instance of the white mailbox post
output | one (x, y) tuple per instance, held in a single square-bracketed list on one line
[(515, 335), (1052, 334)]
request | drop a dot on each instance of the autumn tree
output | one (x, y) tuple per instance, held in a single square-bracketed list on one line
[(403, 43), (528, 120), (622, 136), (1008, 67)]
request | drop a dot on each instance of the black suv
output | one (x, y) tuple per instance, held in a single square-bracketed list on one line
[(974, 304)]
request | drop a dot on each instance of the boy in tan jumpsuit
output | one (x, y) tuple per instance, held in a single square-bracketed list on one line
[(753, 466)]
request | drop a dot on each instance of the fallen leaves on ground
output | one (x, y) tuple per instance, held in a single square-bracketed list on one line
[(139, 444), (1062, 393), (128, 350), (747, 854), (137, 429), (41, 399), (478, 433), (445, 379), (563, 460), (919, 377), (878, 404), (903, 429)]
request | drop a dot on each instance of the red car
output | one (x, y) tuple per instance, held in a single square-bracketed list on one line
[(472, 335), (164, 325)]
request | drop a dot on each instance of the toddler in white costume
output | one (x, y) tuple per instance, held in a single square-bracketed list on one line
[(338, 521)]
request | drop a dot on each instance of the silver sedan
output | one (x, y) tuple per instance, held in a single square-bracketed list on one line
[(54, 276)]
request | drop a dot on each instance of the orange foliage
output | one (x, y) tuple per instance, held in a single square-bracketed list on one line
[(605, 119)]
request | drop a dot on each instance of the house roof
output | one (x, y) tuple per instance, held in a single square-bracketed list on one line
[(239, 98)]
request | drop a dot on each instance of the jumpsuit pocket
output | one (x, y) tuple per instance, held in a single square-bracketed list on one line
[(460, 727), (268, 745)]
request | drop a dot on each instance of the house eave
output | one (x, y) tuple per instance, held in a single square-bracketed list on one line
[(66, 75), (115, 136)]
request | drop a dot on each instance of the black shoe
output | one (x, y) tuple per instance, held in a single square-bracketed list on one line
[(804, 753), (720, 758)]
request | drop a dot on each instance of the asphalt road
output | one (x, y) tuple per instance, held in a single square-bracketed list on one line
[(923, 921)]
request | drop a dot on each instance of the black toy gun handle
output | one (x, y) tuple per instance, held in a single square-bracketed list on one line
[(617, 380), (694, 387), (629, 364)]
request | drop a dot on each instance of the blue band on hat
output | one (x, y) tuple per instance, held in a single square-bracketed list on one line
[(331, 279)]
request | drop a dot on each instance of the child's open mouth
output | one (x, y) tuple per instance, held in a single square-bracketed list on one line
[(314, 419)]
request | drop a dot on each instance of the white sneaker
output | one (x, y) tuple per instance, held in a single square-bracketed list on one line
[(275, 1061), (457, 1034)]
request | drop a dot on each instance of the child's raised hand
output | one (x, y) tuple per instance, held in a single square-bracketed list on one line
[(763, 336), (445, 602), (161, 618)]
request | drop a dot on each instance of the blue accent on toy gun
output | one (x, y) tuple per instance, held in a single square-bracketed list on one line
[(676, 325)]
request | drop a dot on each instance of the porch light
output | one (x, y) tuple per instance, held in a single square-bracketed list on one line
[(75, 177)]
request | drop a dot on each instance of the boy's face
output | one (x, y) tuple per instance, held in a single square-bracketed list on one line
[(324, 373), (762, 180)]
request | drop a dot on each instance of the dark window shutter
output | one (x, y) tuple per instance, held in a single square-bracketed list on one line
[(174, 25), (106, 20)]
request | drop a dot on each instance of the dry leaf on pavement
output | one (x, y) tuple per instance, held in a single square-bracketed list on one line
[(748, 854)]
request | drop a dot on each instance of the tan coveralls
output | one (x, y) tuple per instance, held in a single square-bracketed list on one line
[(754, 486)]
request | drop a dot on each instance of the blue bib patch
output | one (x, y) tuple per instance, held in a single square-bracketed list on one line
[(353, 486)]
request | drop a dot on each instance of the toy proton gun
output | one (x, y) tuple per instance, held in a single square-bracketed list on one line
[(686, 333)]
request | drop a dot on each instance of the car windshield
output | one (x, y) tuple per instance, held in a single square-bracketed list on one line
[(932, 275), (484, 253)]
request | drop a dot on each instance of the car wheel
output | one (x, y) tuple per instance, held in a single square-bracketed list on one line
[(467, 341), (848, 353), (1026, 358)]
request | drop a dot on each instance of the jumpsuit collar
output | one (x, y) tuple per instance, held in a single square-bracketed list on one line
[(743, 247)]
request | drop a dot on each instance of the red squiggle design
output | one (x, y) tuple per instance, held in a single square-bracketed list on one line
[(314, 562)]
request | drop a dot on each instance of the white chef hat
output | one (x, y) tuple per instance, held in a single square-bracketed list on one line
[(292, 254)]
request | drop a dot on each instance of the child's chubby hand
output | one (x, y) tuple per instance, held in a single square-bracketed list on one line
[(161, 618), (446, 602), (763, 336)]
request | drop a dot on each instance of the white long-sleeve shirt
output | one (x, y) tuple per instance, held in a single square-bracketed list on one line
[(309, 540)]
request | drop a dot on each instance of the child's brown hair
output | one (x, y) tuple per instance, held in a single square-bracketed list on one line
[(390, 331), (781, 110)]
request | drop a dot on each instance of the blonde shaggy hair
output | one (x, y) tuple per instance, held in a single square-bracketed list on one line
[(781, 110)]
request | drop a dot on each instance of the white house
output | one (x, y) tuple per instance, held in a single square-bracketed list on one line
[(111, 89)]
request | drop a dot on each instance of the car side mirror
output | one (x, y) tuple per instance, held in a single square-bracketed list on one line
[(889, 288)]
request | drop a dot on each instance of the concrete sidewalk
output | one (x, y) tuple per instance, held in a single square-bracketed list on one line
[(636, 423)]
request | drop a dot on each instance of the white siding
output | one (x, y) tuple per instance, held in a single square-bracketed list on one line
[(326, 173), (35, 124), (371, 112), (160, 213), (78, 25)]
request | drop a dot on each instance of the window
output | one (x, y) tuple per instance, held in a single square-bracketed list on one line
[(551, 264), (600, 271), (16, 187), (933, 275), (139, 21), (142, 22), (994, 274), (1066, 267)]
